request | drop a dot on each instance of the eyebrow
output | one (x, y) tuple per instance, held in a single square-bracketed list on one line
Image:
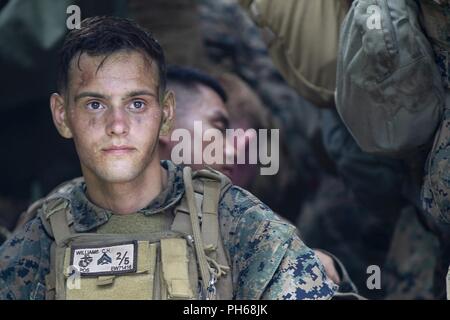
[(90, 94), (140, 93)]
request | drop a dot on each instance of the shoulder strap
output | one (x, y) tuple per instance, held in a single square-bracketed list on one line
[(54, 218), (212, 185), (205, 188)]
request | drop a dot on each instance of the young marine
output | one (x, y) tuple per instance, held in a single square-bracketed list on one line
[(135, 227)]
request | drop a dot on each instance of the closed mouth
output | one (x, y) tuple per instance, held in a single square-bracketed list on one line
[(118, 149)]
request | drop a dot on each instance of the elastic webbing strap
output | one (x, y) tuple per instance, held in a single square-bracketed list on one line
[(210, 221), (55, 211), (190, 198)]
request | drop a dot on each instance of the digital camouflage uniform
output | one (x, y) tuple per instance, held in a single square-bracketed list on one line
[(268, 259), (409, 269), (436, 187)]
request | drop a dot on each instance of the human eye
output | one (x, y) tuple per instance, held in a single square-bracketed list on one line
[(95, 105), (137, 105), (220, 125)]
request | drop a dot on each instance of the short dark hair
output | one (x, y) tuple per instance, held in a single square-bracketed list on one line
[(190, 77), (106, 35)]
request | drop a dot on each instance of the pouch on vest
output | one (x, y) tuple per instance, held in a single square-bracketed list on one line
[(389, 90), (137, 284), (303, 42), (130, 269), (155, 265)]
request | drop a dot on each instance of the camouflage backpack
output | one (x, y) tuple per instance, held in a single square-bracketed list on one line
[(187, 261), (389, 89)]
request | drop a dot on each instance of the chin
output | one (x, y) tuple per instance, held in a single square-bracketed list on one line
[(118, 175), (117, 178)]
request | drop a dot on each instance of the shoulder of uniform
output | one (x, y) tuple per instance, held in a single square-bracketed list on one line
[(198, 178), (244, 200), (65, 188), (249, 215), (55, 199)]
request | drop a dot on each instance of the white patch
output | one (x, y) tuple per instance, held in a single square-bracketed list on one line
[(109, 260)]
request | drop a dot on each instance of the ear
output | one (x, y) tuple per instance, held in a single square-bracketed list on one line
[(168, 107), (59, 115)]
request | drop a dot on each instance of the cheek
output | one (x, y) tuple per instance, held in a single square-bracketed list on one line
[(86, 130), (146, 128), (153, 122), (92, 123), (82, 122)]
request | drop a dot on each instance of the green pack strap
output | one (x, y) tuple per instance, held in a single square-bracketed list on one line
[(210, 221), (198, 242), (212, 185), (55, 211), (182, 223), (50, 278), (218, 260)]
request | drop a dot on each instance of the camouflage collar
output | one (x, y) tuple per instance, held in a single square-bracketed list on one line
[(87, 216)]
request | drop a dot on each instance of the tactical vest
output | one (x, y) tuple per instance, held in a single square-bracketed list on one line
[(188, 261)]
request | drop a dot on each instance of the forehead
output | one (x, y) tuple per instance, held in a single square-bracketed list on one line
[(209, 102), (104, 70)]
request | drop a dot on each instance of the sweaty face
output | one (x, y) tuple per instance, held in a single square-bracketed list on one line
[(114, 115), (208, 108)]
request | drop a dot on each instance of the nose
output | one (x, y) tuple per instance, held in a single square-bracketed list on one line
[(117, 122)]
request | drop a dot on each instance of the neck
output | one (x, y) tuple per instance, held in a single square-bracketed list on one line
[(127, 197)]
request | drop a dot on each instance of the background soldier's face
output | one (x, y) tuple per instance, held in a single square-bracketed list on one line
[(114, 115), (208, 108)]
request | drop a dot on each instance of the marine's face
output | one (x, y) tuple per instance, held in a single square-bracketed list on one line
[(113, 113), (211, 111)]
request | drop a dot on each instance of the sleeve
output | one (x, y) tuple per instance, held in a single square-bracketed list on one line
[(300, 276), (269, 259), (24, 262)]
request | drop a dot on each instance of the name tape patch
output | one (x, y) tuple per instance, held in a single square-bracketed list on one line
[(105, 260)]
